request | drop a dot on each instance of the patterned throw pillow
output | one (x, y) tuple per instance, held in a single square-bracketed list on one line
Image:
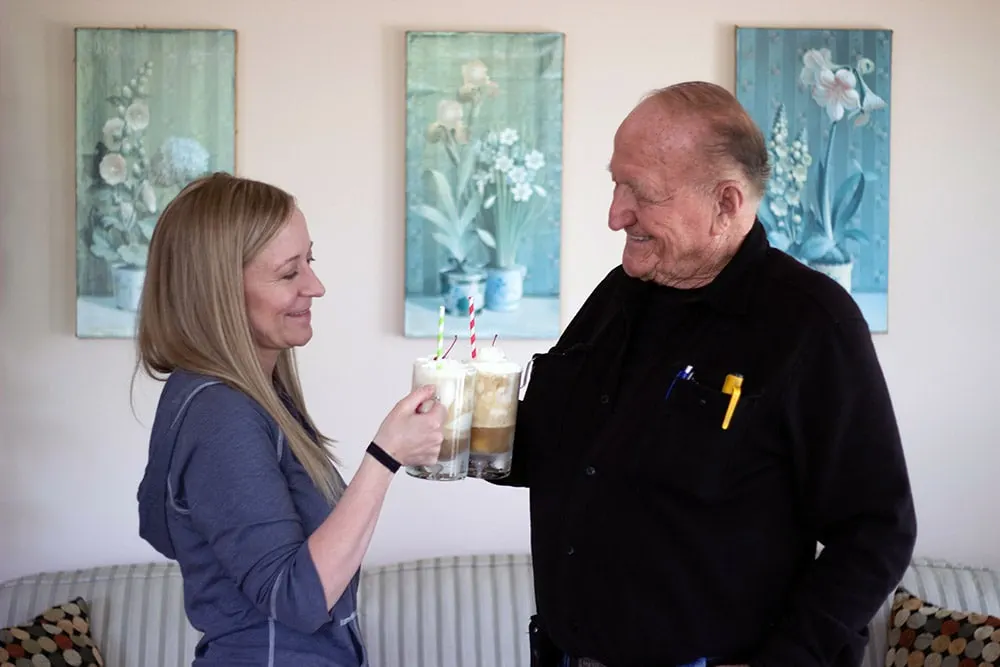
[(925, 635), (58, 637)]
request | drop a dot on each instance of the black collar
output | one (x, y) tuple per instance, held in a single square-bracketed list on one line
[(728, 292), (731, 289)]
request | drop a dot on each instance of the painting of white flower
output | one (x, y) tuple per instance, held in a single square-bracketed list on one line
[(821, 98), (484, 184), (141, 137)]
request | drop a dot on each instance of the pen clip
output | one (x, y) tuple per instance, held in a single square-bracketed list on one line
[(732, 386)]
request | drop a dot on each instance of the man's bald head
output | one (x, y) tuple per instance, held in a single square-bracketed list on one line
[(710, 125), (690, 168)]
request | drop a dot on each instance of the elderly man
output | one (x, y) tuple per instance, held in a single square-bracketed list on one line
[(713, 413)]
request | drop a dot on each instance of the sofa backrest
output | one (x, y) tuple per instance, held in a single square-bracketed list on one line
[(136, 611), (471, 611), (468, 611)]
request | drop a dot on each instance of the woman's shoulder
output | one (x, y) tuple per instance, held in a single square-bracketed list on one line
[(208, 403)]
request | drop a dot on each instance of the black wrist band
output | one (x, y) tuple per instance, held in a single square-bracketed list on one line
[(383, 457)]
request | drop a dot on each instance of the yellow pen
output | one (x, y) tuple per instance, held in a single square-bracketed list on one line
[(732, 386)]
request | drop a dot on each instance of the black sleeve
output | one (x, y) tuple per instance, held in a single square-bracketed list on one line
[(852, 482)]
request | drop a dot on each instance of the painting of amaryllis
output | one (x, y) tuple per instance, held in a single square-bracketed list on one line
[(822, 98), (483, 182), (155, 109)]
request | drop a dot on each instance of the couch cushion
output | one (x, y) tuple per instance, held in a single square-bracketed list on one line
[(923, 633), (60, 635), (946, 585), (136, 611), (471, 611)]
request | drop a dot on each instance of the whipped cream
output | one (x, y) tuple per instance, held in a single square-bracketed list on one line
[(493, 360), (453, 378)]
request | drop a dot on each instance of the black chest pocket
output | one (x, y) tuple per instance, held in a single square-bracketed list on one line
[(688, 445)]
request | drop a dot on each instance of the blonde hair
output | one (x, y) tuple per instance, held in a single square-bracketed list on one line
[(193, 316)]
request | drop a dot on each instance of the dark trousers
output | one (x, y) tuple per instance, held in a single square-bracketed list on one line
[(544, 653)]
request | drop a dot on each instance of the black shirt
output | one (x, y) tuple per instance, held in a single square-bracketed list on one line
[(658, 537)]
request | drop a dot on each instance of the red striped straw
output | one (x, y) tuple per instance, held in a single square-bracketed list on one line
[(472, 327)]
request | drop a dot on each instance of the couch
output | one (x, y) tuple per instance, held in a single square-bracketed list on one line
[(468, 611)]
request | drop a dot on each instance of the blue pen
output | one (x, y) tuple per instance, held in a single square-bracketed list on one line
[(685, 374)]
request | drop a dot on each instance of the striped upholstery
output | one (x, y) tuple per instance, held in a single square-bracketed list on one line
[(470, 611), (137, 611)]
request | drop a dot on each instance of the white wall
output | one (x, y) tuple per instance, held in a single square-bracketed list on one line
[(320, 112)]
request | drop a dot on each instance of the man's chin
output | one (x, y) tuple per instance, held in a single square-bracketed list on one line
[(635, 269)]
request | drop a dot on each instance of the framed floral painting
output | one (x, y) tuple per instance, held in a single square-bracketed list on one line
[(155, 109), (823, 99), (484, 119)]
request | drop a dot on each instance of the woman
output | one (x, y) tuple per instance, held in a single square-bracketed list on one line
[(240, 488)]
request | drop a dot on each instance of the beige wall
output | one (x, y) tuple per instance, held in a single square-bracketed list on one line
[(320, 112)]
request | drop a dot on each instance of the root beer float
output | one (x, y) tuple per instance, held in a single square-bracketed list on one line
[(494, 418), (454, 382)]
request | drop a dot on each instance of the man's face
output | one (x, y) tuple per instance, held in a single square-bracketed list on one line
[(667, 218)]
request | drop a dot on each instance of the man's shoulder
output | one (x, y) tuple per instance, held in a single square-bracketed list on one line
[(605, 296), (805, 293), (612, 281)]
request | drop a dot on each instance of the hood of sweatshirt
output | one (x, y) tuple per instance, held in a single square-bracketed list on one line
[(154, 488)]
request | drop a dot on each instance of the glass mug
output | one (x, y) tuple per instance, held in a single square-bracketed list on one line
[(497, 389), (455, 383)]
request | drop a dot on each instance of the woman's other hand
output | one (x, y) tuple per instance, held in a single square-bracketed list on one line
[(411, 433)]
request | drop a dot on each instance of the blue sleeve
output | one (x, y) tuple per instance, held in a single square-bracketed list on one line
[(240, 503)]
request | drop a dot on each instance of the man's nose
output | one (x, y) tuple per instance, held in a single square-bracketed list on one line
[(621, 214)]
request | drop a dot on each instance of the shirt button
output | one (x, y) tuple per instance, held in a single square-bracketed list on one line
[(590, 470), (605, 399)]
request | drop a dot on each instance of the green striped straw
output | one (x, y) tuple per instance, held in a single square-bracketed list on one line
[(440, 347)]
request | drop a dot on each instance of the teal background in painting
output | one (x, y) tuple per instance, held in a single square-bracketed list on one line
[(528, 68), (769, 62), (192, 93)]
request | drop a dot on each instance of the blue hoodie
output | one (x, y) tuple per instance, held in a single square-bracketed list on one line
[(225, 497)]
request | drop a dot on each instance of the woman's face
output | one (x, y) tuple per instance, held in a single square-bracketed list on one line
[(279, 286)]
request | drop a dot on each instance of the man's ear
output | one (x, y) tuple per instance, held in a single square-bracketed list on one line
[(729, 202)]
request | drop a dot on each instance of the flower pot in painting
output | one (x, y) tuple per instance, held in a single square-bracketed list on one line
[(504, 287), (839, 271), (456, 288), (128, 282)]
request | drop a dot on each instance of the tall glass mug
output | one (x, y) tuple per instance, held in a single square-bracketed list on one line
[(498, 383), (454, 381)]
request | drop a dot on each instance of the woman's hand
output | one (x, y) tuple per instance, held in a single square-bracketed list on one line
[(411, 432)]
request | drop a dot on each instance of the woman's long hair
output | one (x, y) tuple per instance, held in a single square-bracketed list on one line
[(193, 315)]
